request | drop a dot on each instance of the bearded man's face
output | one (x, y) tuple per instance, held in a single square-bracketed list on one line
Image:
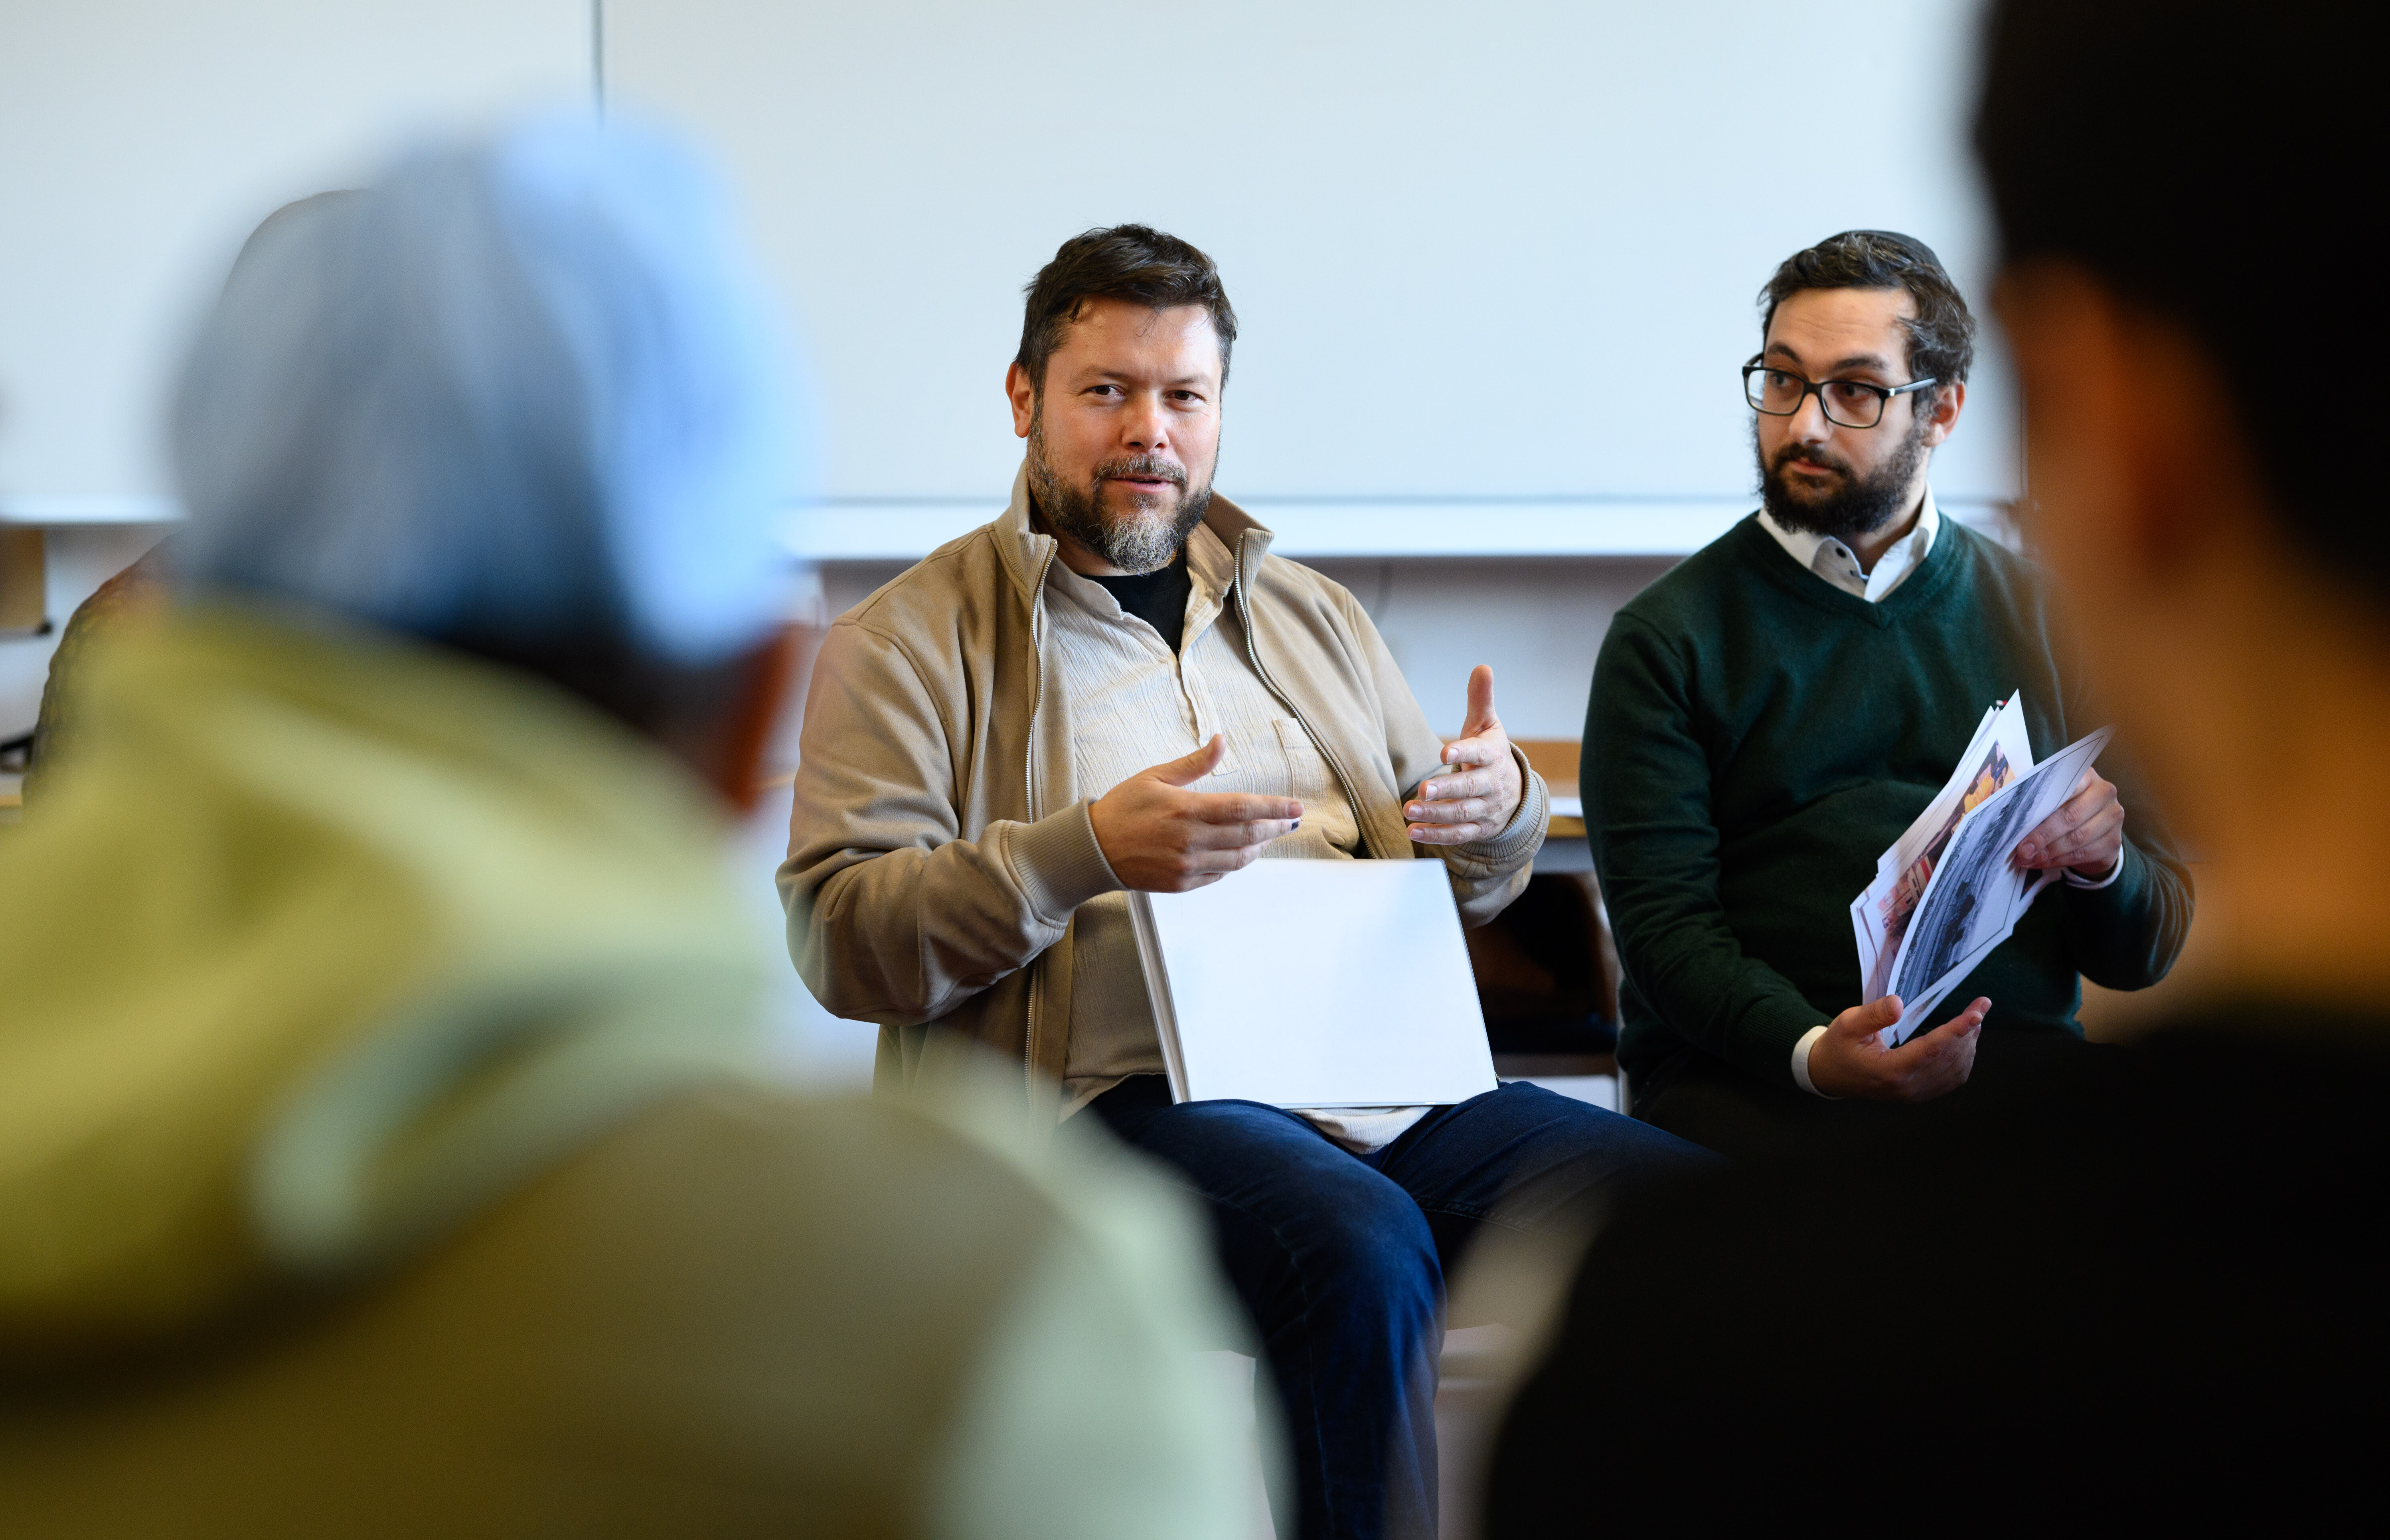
[(1809, 487), (1827, 478), (1135, 511), (1124, 430)]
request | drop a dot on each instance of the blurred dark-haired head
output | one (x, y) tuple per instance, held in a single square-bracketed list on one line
[(2211, 164)]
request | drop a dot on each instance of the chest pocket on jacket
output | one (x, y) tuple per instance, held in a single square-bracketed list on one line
[(1329, 826)]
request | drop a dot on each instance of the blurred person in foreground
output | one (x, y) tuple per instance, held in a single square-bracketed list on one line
[(2162, 1299), (389, 1140), (127, 598), (1114, 687), (1769, 716)]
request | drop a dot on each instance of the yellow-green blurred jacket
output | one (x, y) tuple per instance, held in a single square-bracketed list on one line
[(387, 1145)]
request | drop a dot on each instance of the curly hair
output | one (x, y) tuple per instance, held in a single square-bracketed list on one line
[(1941, 335)]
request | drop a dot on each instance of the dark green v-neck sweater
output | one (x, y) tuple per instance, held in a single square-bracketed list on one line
[(1757, 736)]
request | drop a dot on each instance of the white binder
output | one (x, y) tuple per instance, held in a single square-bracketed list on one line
[(1315, 983)]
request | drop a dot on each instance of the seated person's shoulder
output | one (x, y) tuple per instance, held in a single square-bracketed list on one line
[(743, 1310), (2134, 1270), (907, 1219), (1286, 583), (951, 586), (1695, 597), (1993, 565)]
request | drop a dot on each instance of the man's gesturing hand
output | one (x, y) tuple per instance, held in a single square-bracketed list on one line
[(2087, 832), (1163, 839), (1849, 1061), (1475, 800)]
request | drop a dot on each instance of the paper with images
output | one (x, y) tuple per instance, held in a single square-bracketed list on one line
[(2000, 751), (1316, 984), (1975, 893)]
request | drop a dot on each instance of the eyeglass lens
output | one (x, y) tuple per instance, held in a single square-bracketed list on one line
[(1847, 404)]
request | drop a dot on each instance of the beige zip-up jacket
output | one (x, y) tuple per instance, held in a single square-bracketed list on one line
[(938, 845)]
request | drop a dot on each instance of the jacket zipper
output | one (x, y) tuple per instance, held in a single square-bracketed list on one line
[(1029, 802), (1254, 656)]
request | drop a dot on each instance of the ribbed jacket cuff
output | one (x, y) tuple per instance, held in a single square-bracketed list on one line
[(1060, 864), (1533, 816), (1524, 834)]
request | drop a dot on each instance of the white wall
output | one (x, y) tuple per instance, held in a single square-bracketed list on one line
[(1497, 251), (1481, 254), (1501, 250), (141, 140)]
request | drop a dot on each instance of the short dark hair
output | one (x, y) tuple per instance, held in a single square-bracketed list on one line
[(1134, 263), (2207, 162), (1941, 335)]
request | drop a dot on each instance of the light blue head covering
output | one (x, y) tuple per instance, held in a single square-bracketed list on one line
[(524, 392)]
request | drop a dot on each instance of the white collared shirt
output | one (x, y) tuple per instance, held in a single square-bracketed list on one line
[(1839, 565), (1836, 563)]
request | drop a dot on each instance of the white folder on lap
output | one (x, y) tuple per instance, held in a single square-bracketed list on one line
[(1315, 983)]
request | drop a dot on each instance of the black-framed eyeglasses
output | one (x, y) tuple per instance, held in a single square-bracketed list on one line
[(1846, 403)]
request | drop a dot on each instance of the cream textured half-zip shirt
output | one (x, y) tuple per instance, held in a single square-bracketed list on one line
[(1140, 699)]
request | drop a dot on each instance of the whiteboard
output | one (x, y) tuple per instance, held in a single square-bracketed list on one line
[(141, 140), (1502, 251), (1495, 264)]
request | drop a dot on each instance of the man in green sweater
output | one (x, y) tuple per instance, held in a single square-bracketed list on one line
[(1771, 716)]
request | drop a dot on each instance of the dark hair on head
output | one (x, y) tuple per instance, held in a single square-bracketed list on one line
[(1134, 263), (1942, 333), (2208, 162)]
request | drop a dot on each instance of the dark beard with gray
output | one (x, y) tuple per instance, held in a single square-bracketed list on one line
[(1856, 505), (1147, 538)]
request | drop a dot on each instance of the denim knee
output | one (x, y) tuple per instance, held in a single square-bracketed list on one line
[(1372, 1241)]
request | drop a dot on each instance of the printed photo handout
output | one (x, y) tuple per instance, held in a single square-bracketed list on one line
[(1972, 895), (2000, 751), (1976, 895)]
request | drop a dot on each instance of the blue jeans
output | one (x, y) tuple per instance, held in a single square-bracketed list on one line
[(1340, 1259)]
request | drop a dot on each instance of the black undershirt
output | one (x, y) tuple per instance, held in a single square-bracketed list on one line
[(1158, 598)]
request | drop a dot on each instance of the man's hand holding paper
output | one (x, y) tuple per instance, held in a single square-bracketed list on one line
[(1851, 1059), (1929, 917), (2086, 835)]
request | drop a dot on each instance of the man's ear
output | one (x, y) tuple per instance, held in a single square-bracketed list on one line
[(1948, 400), (1022, 392)]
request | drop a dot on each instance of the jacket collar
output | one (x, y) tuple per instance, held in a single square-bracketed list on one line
[(1025, 551)]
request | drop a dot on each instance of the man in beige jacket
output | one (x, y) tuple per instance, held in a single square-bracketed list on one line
[(1115, 686)]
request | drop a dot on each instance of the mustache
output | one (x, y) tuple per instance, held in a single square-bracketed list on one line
[(1792, 452), (1146, 466)]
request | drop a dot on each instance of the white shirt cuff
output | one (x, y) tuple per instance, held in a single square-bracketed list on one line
[(1801, 1062), (2076, 880)]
